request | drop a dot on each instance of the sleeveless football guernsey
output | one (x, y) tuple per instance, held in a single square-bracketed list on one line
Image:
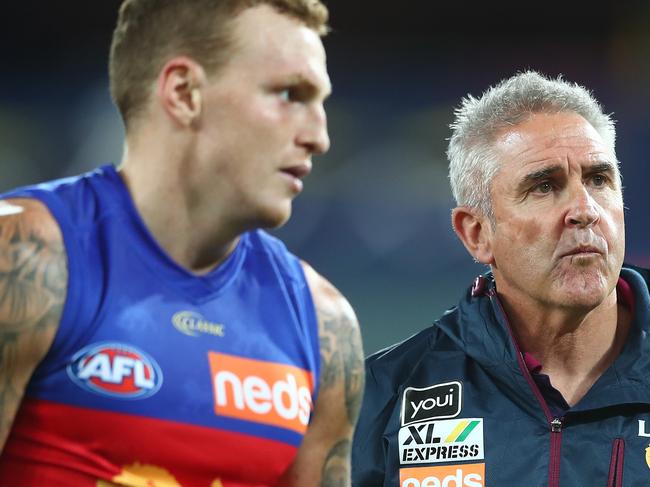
[(158, 377)]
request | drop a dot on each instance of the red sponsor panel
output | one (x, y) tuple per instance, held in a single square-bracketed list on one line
[(261, 392), (56, 445)]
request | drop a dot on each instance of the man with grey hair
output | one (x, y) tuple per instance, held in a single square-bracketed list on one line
[(540, 375)]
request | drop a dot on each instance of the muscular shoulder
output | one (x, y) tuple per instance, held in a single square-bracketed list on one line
[(28, 213), (33, 272), (329, 302), (340, 338)]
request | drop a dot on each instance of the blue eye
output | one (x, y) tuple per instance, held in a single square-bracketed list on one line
[(285, 95)]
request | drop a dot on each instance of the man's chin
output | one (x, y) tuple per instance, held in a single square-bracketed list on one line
[(586, 289)]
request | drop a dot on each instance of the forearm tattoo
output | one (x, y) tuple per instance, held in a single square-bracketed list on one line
[(336, 472)]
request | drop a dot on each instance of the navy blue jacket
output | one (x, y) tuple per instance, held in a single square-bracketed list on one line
[(455, 406)]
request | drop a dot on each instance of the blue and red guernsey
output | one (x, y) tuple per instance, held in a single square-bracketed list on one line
[(157, 376)]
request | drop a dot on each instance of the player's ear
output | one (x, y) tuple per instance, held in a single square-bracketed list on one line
[(179, 89), (475, 231)]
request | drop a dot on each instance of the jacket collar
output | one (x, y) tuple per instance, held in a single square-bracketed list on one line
[(479, 326)]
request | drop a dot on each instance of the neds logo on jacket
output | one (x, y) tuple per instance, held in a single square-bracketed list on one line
[(261, 391), (468, 475), (433, 402)]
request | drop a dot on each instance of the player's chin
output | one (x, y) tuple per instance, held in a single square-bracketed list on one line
[(276, 215)]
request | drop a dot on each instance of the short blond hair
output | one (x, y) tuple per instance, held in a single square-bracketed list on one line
[(150, 32)]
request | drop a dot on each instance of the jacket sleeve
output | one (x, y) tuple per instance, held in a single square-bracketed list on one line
[(368, 447)]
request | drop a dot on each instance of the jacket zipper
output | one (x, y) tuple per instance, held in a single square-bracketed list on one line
[(555, 424), (615, 478), (556, 446)]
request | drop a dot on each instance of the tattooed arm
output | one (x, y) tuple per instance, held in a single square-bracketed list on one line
[(33, 280), (324, 456)]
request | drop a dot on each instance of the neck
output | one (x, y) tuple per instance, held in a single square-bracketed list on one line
[(195, 233), (575, 347)]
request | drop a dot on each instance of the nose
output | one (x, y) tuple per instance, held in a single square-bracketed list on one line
[(314, 135), (583, 210)]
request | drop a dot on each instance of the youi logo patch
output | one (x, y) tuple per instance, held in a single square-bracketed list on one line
[(434, 402), (115, 370)]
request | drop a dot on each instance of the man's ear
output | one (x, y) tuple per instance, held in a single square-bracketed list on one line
[(179, 90), (475, 231)]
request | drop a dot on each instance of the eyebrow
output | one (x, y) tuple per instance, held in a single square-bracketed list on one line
[(545, 173), (604, 166), (301, 80), (539, 175)]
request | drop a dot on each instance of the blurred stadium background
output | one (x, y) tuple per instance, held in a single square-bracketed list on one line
[(374, 217)]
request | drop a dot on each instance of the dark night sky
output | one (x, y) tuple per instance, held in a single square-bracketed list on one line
[(74, 32)]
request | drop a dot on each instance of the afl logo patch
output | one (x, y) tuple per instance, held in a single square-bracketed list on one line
[(115, 370)]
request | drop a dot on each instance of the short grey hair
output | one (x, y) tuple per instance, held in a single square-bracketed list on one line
[(478, 121)]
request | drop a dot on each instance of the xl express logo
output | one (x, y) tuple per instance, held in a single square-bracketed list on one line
[(434, 402), (442, 441), (115, 370)]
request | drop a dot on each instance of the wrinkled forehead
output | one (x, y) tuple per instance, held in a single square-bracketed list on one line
[(551, 136)]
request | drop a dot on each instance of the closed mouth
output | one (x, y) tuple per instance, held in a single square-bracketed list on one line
[(582, 251)]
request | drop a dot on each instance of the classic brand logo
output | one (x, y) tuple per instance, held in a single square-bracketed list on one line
[(433, 402), (442, 441), (261, 391), (468, 475), (192, 324), (116, 370)]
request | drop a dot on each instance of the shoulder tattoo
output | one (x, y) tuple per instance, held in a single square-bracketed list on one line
[(342, 358), (33, 280)]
